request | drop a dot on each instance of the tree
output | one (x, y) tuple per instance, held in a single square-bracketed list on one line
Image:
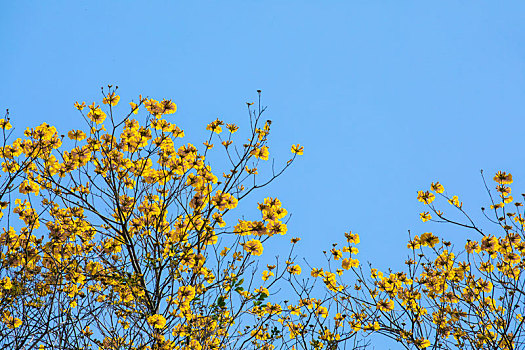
[(122, 236), (447, 298), (127, 239)]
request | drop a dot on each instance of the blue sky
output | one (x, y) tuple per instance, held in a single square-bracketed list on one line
[(386, 97)]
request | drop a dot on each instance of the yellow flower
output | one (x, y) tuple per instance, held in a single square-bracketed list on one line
[(428, 239), (17, 322), (321, 311), (157, 321), (437, 187), (261, 290), (372, 327), (10, 321), (80, 106), (5, 124), (111, 99), (224, 251), (512, 258), (455, 202), (349, 263), (157, 108), (252, 171), (88, 332), (485, 286), (503, 178), (425, 216), (351, 250), (336, 253), (425, 197), (352, 237), (316, 272), (232, 128), (422, 343), (272, 309), (96, 114), (134, 107), (497, 205), (78, 135), (355, 325), (29, 186), (294, 310), (472, 246), (294, 270), (266, 275), (6, 282), (261, 153), (254, 247), (215, 126), (168, 107), (297, 149), (386, 305), (186, 293)]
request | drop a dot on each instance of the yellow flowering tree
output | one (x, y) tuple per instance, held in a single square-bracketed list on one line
[(120, 235), (22, 282), (469, 296)]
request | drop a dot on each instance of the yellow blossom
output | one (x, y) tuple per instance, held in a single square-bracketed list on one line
[(425, 216), (111, 99), (437, 187), (294, 270), (297, 149), (254, 247), (157, 321)]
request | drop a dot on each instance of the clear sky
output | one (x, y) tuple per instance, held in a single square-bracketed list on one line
[(386, 97)]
